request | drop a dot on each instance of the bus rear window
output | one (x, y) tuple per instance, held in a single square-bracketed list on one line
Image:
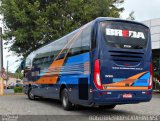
[(124, 35)]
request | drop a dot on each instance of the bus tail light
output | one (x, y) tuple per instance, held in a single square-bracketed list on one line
[(97, 77), (151, 77)]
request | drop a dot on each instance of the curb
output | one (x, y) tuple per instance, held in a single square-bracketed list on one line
[(156, 92), (12, 94)]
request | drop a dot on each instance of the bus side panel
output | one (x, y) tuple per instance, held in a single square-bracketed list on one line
[(76, 75), (65, 61)]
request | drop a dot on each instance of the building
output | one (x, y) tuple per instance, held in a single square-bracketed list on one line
[(12, 80), (154, 25)]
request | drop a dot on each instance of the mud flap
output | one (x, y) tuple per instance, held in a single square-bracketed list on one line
[(83, 88)]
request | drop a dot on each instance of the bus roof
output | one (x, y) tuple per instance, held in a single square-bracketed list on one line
[(99, 19)]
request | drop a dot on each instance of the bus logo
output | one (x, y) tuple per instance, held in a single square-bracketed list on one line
[(124, 33)]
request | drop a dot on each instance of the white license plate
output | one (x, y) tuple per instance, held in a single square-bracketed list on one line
[(127, 95)]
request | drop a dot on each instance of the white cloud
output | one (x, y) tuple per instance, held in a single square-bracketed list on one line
[(11, 58), (144, 9)]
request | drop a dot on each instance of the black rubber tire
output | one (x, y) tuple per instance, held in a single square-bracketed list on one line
[(66, 104), (107, 106), (30, 95)]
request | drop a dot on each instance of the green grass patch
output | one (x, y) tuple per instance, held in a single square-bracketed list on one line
[(18, 89)]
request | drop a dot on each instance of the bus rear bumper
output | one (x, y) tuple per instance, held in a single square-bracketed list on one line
[(116, 97)]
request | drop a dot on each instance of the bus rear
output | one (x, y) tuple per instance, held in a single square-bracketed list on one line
[(122, 68)]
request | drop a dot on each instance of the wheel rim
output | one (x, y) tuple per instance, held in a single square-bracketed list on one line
[(31, 95), (65, 99)]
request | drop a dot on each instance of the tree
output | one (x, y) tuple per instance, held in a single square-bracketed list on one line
[(18, 75), (29, 24), (131, 16)]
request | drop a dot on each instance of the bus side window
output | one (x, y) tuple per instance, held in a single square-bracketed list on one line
[(28, 63), (52, 57), (93, 37), (86, 39), (58, 46), (28, 67), (76, 47), (34, 62)]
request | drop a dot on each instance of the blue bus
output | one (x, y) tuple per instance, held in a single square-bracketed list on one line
[(104, 63)]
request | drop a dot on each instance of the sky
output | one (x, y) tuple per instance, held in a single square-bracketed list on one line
[(143, 10)]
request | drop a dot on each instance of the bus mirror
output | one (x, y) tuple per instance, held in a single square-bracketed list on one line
[(22, 72), (27, 68), (22, 66)]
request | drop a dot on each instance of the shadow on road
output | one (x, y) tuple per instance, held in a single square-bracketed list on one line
[(81, 110)]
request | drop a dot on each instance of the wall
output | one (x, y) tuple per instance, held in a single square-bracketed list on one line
[(154, 25)]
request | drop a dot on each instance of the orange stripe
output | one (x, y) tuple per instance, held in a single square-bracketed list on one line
[(137, 76), (46, 79), (77, 34), (58, 63), (28, 82), (125, 88), (73, 38), (128, 81)]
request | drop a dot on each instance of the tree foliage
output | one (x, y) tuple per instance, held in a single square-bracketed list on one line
[(18, 75), (131, 16), (30, 24)]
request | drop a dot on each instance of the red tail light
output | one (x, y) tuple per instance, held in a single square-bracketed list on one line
[(151, 77), (97, 77)]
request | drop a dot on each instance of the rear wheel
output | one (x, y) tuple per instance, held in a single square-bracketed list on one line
[(30, 94), (67, 105), (107, 106)]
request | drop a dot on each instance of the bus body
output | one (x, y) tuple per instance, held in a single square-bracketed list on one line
[(103, 63)]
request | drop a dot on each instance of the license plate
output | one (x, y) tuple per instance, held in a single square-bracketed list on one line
[(127, 95)]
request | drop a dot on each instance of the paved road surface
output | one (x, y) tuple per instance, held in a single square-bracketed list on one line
[(20, 105)]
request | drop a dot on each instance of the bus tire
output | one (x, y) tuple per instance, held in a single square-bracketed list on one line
[(30, 94), (107, 106), (67, 105)]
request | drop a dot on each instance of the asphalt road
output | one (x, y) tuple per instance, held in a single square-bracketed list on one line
[(20, 105)]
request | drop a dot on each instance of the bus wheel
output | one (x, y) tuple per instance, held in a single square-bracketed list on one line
[(107, 106), (31, 96), (67, 105)]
